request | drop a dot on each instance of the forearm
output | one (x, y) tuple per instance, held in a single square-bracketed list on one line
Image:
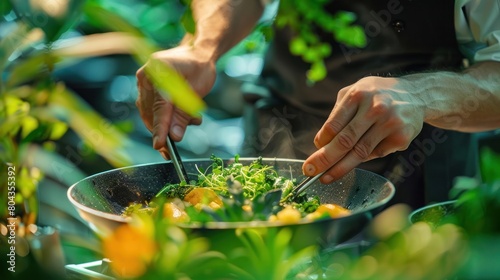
[(467, 101), (222, 24)]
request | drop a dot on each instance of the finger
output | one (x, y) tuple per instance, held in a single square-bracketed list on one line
[(398, 140), (143, 104), (164, 153), (162, 116), (343, 142), (383, 149), (142, 79), (145, 99), (343, 111), (180, 120), (195, 121), (366, 146)]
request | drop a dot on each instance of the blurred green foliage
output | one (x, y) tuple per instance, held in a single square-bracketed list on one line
[(37, 110), (489, 165), (303, 17), (54, 18), (23, 122), (5, 8), (164, 22), (245, 254), (457, 239)]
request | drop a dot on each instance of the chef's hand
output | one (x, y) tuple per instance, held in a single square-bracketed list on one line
[(371, 118), (160, 116)]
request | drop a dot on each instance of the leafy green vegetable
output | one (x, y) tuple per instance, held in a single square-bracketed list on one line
[(174, 190), (255, 178), (233, 206), (136, 208), (255, 186), (307, 204)]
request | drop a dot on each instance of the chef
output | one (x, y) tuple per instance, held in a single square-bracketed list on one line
[(404, 105)]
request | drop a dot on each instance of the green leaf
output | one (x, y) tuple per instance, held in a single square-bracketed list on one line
[(279, 243), (200, 260), (358, 36), (10, 127), (5, 8), (489, 165), (28, 125), (11, 43), (300, 258), (194, 248), (256, 247), (267, 32), (126, 126), (38, 134), (96, 131), (462, 184), (7, 150), (13, 111), (26, 183), (30, 68), (317, 72), (345, 18), (325, 50), (109, 20), (298, 46), (311, 55), (353, 36), (264, 204), (57, 130), (171, 84), (53, 17), (12, 105), (187, 21)]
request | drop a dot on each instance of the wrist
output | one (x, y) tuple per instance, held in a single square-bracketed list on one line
[(205, 51), (423, 91)]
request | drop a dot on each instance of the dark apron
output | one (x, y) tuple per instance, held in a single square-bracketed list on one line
[(284, 113)]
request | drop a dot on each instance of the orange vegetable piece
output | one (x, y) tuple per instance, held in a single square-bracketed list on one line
[(288, 215), (174, 213), (203, 196), (333, 210)]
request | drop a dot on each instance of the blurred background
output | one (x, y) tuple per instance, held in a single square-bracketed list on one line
[(69, 96)]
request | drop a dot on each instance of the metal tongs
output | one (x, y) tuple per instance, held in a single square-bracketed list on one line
[(176, 160), (306, 183)]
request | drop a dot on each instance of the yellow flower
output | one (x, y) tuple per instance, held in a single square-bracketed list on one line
[(131, 247)]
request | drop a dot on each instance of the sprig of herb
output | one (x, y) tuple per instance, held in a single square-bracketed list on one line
[(256, 178)]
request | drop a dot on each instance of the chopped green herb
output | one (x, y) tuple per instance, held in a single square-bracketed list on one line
[(252, 192)]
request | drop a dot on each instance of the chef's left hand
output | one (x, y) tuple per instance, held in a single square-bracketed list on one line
[(372, 118)]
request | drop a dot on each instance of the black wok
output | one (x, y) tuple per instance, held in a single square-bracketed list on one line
[(101, 198)]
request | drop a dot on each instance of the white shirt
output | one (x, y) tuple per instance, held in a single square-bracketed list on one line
[(477, 25)]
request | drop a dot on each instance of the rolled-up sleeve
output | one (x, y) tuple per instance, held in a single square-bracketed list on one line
[(477, 24)]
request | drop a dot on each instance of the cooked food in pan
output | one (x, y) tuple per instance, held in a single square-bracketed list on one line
[(236, 193)]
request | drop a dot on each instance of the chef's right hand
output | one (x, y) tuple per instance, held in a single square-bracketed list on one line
[(160, 116)]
